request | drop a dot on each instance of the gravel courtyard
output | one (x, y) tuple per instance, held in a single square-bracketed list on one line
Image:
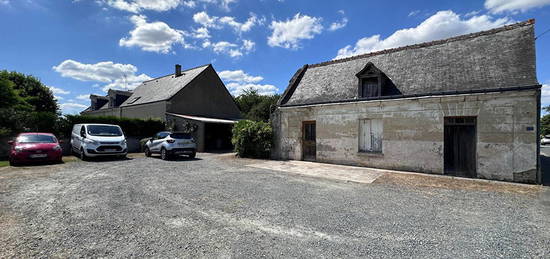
[(217, 206)]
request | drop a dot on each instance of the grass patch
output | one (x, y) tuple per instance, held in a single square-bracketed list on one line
[(4, 163)]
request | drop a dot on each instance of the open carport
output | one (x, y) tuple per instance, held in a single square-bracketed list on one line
[(211, 134)]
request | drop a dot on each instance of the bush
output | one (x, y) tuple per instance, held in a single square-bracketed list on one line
[(130, 126), (142, 143), (252, 138)]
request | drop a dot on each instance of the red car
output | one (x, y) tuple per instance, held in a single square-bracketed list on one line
[(33, 147)]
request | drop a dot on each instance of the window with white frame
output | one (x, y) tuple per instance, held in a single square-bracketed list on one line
[(370, 135)]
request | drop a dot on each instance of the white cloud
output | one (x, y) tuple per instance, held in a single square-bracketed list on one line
[(224, 4), (136, 6), (231, 49), (237, 26), (239, 81), (4, 2), (201, 33), (155, 36), (289, 33), (72, 108), (338, 25), (441, 25), (239, 76), (204, 19), (238, 89), (248, 45), (83, 97), (216, 22), (118, 76), (500, 6), (58, 98), (413, 13), (190, 4), (56, 90)]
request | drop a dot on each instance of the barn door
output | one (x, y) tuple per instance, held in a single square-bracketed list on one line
[(460, 146), (309, 148)]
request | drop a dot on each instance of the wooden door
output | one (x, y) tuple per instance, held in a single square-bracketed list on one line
[(309, 148), (460, 146)]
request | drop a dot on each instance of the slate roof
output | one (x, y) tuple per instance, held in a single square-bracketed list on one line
[(499, 58), (162, 88)]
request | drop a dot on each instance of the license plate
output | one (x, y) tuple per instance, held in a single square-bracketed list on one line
[(38, 155), (110, 150)]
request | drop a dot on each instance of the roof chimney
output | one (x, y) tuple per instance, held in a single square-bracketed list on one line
[(178, 70)]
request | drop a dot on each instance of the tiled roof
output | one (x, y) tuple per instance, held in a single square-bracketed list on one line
[(162, 88), (500, 58)]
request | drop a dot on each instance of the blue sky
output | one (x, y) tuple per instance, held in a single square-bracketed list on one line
[(82, 47)]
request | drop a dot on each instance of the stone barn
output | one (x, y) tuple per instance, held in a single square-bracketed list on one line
[(193, 100), (465, 106)]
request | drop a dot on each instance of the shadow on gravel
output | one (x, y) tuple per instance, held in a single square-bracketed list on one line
[(107, 159), (38, 163), (178, 158)]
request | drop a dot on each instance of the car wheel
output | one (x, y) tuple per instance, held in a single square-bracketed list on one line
[(147, 152), (122, 157), (13, 163), (193, 154), (83, 156), (163, 154)]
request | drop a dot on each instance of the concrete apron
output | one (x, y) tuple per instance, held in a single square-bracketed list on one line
[(366, 175), (328, 171)]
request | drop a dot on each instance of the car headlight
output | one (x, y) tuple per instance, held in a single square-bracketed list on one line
[(91, 141), (19, 149), (57, 147), (123, 142)]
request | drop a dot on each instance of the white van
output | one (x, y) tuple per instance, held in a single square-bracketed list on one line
[(92, 140)]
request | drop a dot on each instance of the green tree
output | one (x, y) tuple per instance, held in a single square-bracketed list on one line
[(545, 122), (256, 107), (8, 95), (25, 104), (252, 138), (30, 91), (545, 125)]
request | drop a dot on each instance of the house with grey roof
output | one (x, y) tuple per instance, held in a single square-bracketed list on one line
[(195, 97), (464, 106)]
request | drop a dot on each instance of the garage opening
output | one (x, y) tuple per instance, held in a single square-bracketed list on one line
[(217, 137), (460, 146)]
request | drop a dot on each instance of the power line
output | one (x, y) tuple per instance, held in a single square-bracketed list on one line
[(542, 34)]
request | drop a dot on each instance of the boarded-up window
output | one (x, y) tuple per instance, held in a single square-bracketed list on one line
[(370, 135)]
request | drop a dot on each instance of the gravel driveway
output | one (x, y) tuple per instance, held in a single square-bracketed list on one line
[(214, 207)]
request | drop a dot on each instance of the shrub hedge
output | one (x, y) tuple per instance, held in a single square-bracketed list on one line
[(252, 138), (130, 126)]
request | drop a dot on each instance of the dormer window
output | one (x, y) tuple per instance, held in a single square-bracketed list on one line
[(374, 83), (370, 87)]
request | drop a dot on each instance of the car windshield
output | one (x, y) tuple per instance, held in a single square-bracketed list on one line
[(104, 130), (180, 135), (36, 138)]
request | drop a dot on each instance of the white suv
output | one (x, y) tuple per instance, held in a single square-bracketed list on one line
[(93, 140), (168, 144)]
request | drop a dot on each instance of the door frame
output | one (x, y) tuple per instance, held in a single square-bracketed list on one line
[(475, 137), (303, 140)]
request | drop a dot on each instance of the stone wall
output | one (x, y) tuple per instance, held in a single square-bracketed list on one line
[(413, 133)]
